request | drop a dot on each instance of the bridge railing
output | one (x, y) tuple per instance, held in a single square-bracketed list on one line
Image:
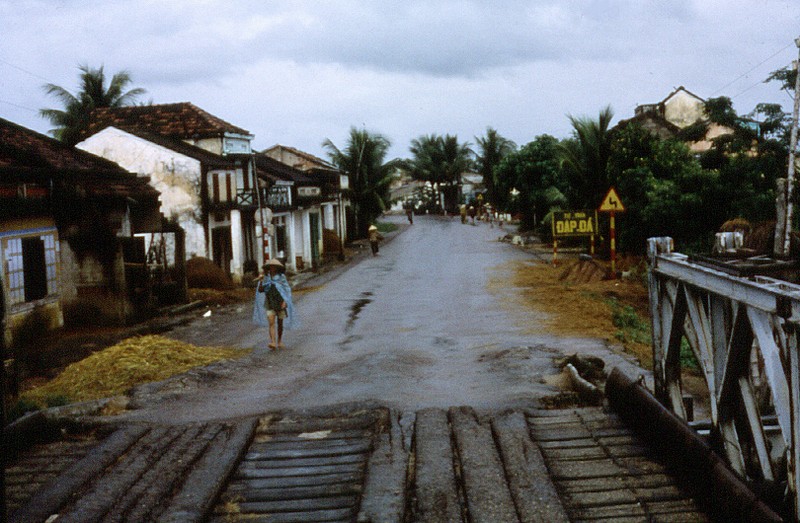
[(743, 334)]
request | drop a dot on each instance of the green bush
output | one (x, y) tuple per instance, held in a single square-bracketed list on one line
[(384, 227), (631, 326), (687, 358)]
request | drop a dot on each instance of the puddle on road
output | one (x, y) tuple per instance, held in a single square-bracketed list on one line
[(356, 309)]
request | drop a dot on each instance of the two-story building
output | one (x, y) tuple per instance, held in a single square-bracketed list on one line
[(678, 110), (337, 213), (304, 210), (202, 165)]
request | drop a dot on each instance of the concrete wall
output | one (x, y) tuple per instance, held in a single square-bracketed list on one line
[(683, 109), (175, 176)]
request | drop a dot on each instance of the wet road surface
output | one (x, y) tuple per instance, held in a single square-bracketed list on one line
[(429, 322)]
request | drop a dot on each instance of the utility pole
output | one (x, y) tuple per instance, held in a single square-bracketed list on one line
[(783, 227), (3, 391)]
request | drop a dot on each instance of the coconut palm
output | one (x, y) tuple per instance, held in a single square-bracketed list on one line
[(363, 159), (440, 160), (584, 159), (492, 149), (73, 119)]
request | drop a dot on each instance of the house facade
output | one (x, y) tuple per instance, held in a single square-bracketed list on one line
[(205, 169), (304, 211), (67, 225), (680, 109), (336, 210)]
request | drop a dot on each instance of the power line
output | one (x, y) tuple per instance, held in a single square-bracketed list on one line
[(24, 70), (20, 106), (750, 71)]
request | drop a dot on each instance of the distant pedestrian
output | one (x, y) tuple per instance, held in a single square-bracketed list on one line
[(374, 238), (463, 211), (273, 302), (472, 213), (410, 215)]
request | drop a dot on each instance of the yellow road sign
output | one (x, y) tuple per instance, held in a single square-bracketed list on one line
[(574, 223), (611, 203)]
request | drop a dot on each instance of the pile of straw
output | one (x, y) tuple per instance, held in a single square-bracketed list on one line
[(130, 362)]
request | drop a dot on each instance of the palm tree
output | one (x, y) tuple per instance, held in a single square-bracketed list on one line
[(363, 159), (440, 160), (493, 148), (73, 119), (584, 158)]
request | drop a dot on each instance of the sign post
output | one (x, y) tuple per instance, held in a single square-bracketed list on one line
[(612, 204), (573, 223)]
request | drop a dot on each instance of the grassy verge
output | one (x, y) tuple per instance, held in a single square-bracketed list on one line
[(384, 227)]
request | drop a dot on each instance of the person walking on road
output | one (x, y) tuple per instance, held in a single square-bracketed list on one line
[(273, 303), (374, 238)]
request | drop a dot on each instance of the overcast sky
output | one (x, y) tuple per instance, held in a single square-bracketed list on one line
[(298, 72)]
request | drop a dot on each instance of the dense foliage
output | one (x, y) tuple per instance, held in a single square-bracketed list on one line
[(667, 189), (530, 183), (440, 161)]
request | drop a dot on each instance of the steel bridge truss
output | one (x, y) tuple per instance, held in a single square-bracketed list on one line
[(743, 333)]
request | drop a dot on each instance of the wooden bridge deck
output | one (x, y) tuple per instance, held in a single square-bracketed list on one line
[(368, 465)]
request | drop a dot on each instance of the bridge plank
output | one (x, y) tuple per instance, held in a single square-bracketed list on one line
[(436, 489), (533, 492), (487, 495)]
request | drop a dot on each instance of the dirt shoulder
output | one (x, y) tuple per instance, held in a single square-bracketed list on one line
[(579, 299)]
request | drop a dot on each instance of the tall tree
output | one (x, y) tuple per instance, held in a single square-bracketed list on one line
[(584, 159), (93, 92), (363, 159), (533, 171), (491, 150), (440, 160)]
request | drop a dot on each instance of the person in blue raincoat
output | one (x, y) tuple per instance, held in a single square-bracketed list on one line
[(273, 303)]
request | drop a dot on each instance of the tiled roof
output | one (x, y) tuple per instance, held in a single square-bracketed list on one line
[(685, 90), (173, 144), (302, 154), (275, 169), (28, 155), (179, 120)]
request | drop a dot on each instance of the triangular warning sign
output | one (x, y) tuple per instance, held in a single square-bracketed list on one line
[(611, 203)]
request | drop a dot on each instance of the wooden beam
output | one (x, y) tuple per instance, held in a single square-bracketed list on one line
[(756, 429), (773, 367)]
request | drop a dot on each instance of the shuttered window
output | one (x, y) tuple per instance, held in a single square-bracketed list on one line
[(31, 266)]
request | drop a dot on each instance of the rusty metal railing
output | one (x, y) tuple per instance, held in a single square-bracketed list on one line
[(743, 334)]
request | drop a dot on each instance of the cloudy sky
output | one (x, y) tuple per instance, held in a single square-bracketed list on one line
[(297, 72)]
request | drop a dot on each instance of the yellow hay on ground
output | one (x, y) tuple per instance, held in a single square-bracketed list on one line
[(581, 309), (130, 362)]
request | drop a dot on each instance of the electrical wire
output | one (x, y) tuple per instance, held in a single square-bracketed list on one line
[(24, 70), (17, 105), (750, 71)]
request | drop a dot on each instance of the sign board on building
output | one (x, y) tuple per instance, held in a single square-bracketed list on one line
[(279, 196), (308, 192), (574, 223)]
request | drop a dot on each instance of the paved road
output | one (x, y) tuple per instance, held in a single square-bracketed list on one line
[(430, 322), (408, 395)]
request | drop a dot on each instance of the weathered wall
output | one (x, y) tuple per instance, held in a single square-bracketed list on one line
[(92, 291), (683, 109), (175, 176)]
